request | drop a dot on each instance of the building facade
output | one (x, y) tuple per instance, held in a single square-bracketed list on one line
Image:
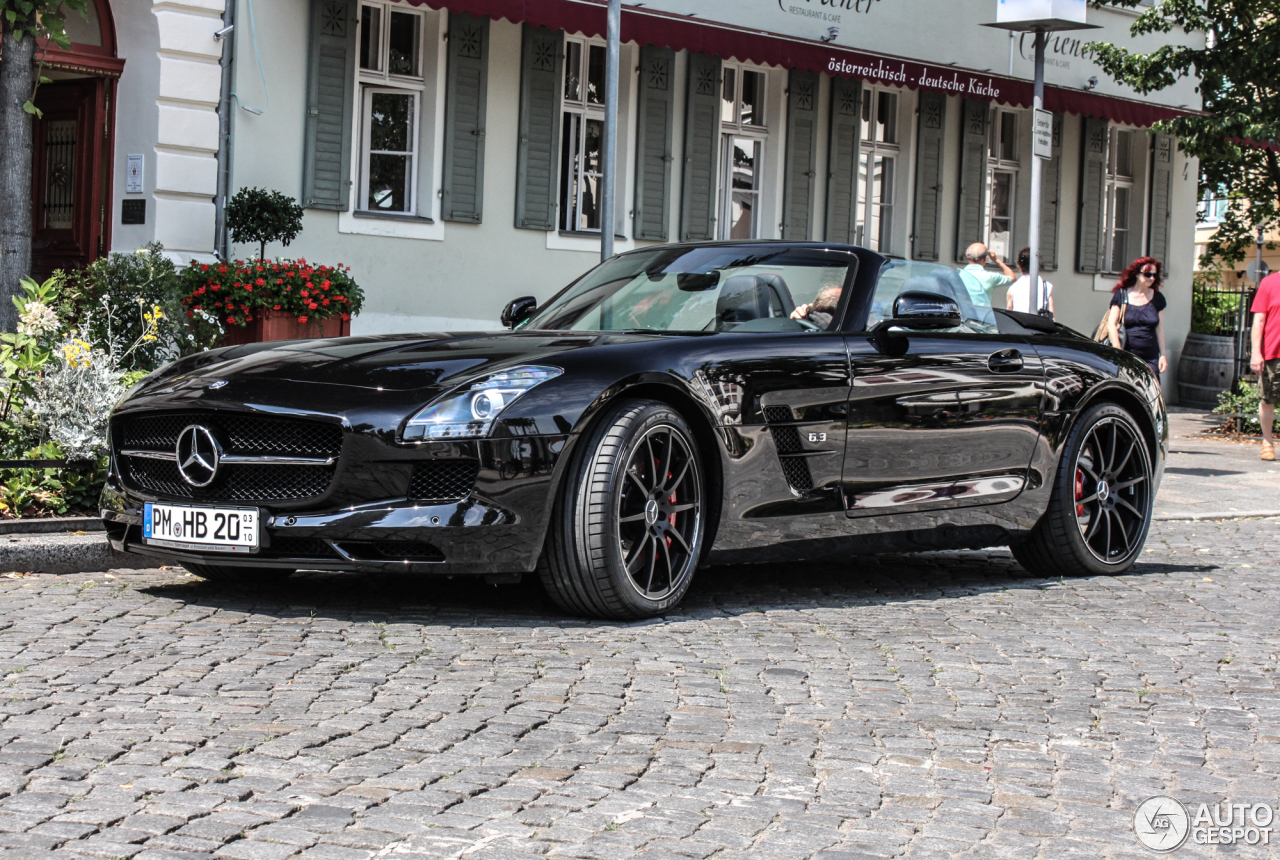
[(449, 151)]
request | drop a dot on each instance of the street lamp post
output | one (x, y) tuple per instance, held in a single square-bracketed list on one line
[(609, 181), (1039, 17)]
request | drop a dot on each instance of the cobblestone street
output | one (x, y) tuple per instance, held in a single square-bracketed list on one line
[(926, 706)]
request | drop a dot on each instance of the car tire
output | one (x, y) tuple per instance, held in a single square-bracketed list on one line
[(627, 527), (1099, 513), (240, 576)]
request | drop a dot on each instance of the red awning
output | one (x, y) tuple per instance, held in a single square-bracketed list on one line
[(662, 29)]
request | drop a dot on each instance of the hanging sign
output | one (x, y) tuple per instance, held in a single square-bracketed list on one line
[(1042, 135)]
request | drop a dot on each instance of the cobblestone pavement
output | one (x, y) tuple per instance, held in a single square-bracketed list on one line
[(1213, 475), (925, 706)]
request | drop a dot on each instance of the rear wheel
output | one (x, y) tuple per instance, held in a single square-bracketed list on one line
[(240, 576), (627, 527), (1100, 511)]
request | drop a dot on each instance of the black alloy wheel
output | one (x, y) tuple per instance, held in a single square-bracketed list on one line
[(1100, 511), (628, 525)]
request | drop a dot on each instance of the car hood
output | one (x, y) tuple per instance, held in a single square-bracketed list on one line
[(409, 362)]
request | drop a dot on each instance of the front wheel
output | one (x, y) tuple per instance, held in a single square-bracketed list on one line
[(1100, 510), (627, 527)]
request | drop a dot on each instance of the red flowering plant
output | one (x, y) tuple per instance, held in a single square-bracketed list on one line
[(234, 293)]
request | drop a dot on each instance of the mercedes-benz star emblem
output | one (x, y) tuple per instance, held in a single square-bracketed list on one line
[(218, 384), (198, 455)]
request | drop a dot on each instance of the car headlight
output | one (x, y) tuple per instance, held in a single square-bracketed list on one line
[(470, 412)]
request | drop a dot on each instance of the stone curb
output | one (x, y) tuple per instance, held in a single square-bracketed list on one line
[(62, 553), (51, 525), (1222, 515)]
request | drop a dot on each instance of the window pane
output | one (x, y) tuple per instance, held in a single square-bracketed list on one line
[(863, 158), (1008, 136), (1120, 229), (389, 182), (573, 71), (568, 171), (727, 90), (881, 190), (1124, 153), (370, 36), (1000, 232), (744, 180), (865, 134), (391, 123), (589, 171), (752, 98), (887, 118), (402, 44), (595, 75), (60, 174)]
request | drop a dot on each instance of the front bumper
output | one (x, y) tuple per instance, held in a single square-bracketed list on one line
[(498, 528)]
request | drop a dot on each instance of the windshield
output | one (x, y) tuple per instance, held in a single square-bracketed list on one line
[(900, 276), (736, 288)]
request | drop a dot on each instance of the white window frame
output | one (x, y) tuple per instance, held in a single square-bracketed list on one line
[(384, 44), (383, 81), (868, 149), (757, 133), (1114, 181), (366, 150), (997, 164), (583, 110)]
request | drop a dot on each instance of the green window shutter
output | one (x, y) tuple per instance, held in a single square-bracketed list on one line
[(926, 243), (1161, 190), (802, 155), (538, 150), (701, 149), (654, 119), (973, 175), (1050, 191), (331, 72), (842, 160), (1093, 195), (466, 90)]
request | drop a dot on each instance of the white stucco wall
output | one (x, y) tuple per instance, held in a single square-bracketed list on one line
[(447, 275), (167, 112)]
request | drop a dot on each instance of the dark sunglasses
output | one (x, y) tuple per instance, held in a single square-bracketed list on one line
[(1149, 273)]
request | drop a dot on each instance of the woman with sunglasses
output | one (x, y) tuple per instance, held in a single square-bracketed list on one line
[(1138, 305)]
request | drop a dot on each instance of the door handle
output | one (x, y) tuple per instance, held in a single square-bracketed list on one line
[(1005, 361)]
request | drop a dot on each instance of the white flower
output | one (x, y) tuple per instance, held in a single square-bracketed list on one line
[(37, 319), (73, 397)]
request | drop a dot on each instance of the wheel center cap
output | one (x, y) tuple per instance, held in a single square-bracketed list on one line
[(650, 512), (1103, 491)]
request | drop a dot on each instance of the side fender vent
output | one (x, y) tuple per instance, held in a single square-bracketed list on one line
[(786, 438)]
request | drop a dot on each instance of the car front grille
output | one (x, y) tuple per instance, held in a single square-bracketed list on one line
[(136, 437), (443, 480), (243, 434)]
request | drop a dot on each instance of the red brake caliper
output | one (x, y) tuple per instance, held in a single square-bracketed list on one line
[(1079, 492)]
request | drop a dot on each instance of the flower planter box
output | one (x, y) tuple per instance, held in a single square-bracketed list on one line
[(279, 325)]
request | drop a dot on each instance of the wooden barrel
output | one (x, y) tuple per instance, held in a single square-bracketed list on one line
[(1206, 367)]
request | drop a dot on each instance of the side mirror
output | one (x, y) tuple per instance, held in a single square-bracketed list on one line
[(518, 311), (923, 310)]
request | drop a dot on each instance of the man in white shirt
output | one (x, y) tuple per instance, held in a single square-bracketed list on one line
[(1021, 297), (981, 279)]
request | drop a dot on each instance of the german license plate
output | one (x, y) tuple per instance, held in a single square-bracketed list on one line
[(201, 528)]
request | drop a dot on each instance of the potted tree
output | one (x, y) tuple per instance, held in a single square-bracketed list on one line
[(260, 300)]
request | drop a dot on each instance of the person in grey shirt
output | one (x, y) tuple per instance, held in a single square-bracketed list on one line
[(980, 279)]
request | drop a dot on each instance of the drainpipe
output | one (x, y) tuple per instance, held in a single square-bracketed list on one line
[(221, 246)]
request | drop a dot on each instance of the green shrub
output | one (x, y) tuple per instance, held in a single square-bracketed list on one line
[(1214, 308), (35, 492), (129, 305), (1241, 409), (258, 215)]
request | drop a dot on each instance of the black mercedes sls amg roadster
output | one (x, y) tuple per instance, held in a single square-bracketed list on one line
[(675, 407)]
